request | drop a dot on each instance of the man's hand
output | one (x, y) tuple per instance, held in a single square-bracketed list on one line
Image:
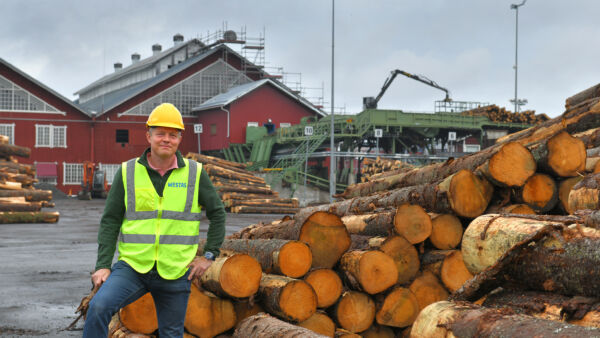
[(100, 277), (198, 266)]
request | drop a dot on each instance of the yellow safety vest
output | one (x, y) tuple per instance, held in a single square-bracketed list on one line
[(162, 230)]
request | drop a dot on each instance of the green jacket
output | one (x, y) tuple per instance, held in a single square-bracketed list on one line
[(114, 211)]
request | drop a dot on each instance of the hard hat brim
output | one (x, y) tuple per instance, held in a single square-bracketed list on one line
[(166, 125)]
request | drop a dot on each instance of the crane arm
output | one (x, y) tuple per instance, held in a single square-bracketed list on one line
[(422, 79)]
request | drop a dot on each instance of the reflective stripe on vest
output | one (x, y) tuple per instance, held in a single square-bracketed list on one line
[(161, 231)]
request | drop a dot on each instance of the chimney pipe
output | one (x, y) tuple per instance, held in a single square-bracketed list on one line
[(177, 39), (156, 48), (135, 57), (118, 66)]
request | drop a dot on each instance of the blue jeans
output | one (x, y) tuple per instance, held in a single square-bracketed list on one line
[(124, 286)]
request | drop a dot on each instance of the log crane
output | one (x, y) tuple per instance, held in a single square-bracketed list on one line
[(371, 102)]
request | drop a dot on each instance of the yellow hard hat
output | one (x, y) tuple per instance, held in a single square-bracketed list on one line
[(165, 115)]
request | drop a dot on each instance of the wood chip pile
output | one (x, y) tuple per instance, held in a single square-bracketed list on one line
[(240, 190), (20, 202), (501, 114)]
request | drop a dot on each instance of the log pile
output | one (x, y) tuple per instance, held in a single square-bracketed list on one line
[(20, 202), (501, 114), (240, 190), (380, 167)]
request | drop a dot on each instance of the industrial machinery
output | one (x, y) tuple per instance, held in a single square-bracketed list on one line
[(94, 182), (371, 102)]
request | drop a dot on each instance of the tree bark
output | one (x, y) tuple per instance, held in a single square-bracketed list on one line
[(28, 217), (213, 170), (245, 308), (247, 196), (377, 224), (19, 167), (20, 207), (250, 209), (585, 95), (264, 326), (564, 189), (243, 189), (398, 308), (7, 150), (215, 160), (585, 194), (327, 285), (287, 298), (369, 271), (206, 315), (236, 276), (448, 319), (462, 193), (355, 311), (319, 323), (264, 202), (31, 195)]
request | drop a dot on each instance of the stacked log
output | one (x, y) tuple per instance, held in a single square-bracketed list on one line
[(380, 167), (501, 114), (20, 202), (241, 191)]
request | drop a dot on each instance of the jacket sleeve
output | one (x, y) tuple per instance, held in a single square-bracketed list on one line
[(215, 211), (110, 223)]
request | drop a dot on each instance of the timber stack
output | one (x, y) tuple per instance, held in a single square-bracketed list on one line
[(20, 202), (375, 168), (240, 190), (501, 114)]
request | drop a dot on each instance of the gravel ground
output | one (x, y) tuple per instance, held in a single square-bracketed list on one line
[(45, 268)]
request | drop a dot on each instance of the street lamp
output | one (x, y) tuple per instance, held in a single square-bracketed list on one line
[(516, 101)]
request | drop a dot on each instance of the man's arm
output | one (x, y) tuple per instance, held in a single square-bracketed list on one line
[(215, 211)]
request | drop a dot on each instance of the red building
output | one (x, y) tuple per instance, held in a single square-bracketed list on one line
[(106, 125), (225, 117)]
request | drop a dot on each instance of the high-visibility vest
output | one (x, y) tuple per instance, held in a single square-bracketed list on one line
[(162, 230)]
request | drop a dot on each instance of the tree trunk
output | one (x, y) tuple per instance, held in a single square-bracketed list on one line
[(447, 319), (287, 298), (7, 150), (245, 308), (564, 189), (281, 230), (220, 181), (214, 170), (31, 195), (370, 271), (446, 231), (539, 192), (453, 272), (398, 308), (412, 222), (539, 255), (20, 167), (250, 209), (327, 285), (29, 217), (522, 209), (288, 257), (341, 333), (280, 202), (24, 179), (140, 316), (462, 193), (206, 315), (378, 331), (20, 207), (247, 196), (243, 189), (428, 289), (560, 155), (215, 160), (585, 194), (8, 185), (510, 166), (319, 323), (264, 326), (236, 276), (377, 224), (590, 93), (355, 311), (403, 253)]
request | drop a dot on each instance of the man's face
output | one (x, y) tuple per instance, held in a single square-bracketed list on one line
[(163, 141)]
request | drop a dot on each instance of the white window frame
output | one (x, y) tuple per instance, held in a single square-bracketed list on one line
[(11, 137), (48, 109), (110, 170), (52, 129), (68, 178)]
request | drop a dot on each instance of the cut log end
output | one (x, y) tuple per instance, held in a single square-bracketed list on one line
[(512, 165), (446, 232), (327, 238), (399, 309), (377, 272), (564, 188), (140, 316), (207, 315), (327, 285), (522, 209), (294, 259), (540, 193), (566, 155), (454, 272), (319, 323), (428, 289), (240, 276), (355, 311), (468, 194), (405, 257), (412, 222), (298, 300)]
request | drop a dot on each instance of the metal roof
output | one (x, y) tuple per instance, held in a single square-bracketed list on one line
[(43, 86), (149, 61), (241, 90)]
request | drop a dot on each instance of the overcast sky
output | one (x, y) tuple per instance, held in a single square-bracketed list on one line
[(467, 46)]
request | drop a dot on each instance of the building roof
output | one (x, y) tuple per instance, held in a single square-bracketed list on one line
[(108, 101), (149, 61), (239, 91), (43, 86)]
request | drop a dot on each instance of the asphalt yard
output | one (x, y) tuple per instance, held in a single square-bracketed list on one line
[(45, 268)]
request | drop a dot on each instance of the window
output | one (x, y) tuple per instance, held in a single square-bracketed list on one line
[(49, 136), (15, 98), (122, 136), (45, 172), (8, 130), (110, 170), (213, 129), (72, 173), (285, 125)]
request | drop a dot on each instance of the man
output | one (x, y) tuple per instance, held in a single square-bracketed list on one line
[(153, 212)]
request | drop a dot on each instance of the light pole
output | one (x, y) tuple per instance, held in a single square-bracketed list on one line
[(331, 142), (516, 8)]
